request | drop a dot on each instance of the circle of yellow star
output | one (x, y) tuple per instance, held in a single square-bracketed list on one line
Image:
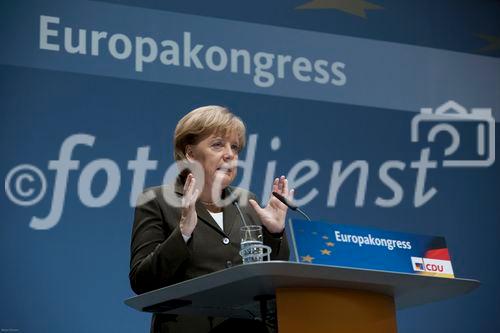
[(330, 244), (326, 252), (307, 258)]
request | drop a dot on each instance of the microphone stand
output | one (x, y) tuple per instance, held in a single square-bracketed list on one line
[(290, 205)]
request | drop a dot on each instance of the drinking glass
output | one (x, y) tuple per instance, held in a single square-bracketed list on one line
[(252, 247)]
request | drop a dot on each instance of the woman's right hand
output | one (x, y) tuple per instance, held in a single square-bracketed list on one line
[(189, 217)]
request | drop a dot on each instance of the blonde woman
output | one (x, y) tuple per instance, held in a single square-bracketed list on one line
[(190, 228)]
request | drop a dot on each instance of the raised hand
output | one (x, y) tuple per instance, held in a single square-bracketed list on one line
[(273, 215), (189, 217)]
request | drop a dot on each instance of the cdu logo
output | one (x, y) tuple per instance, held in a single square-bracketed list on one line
[(447, 119), (436, 267), (418, 264)]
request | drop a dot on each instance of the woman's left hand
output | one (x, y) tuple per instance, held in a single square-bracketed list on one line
[(273, 215)]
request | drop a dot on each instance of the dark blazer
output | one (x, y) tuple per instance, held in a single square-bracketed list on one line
[(160, 256)]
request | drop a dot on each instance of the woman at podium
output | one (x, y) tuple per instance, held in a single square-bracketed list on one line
[(191, 228)]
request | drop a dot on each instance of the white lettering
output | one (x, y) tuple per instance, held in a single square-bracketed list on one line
[(45, 32)]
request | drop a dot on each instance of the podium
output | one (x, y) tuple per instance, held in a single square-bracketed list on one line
[(309, 298)]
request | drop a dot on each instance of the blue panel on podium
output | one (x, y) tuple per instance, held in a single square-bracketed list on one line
[(367, 248)]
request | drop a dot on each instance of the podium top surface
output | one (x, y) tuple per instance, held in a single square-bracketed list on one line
[(231, 292)]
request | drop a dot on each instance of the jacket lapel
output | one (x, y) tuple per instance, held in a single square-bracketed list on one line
[(205, 216), (231, 219)]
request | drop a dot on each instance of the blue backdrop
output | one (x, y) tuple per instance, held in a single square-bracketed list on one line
[(351, 79)]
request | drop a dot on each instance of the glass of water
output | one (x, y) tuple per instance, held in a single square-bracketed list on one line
[(252, 247)]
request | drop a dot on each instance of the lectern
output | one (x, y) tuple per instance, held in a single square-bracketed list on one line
[(309, 298)]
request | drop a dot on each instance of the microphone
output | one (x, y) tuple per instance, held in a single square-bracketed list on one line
[(237, 205), (290, 205)]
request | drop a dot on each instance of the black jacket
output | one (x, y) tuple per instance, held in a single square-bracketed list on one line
[(160, 256)]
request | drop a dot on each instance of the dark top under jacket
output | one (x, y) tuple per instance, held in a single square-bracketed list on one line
[(161, 257)]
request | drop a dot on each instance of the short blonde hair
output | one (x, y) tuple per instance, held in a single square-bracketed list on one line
[(203, 122)]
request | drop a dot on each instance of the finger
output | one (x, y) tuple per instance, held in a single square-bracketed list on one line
[(255, 206), (285, 187), (186, 183), (195, 196), (275, 185), (281, 184), (188, 193), (291, 194), (190, 189)]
